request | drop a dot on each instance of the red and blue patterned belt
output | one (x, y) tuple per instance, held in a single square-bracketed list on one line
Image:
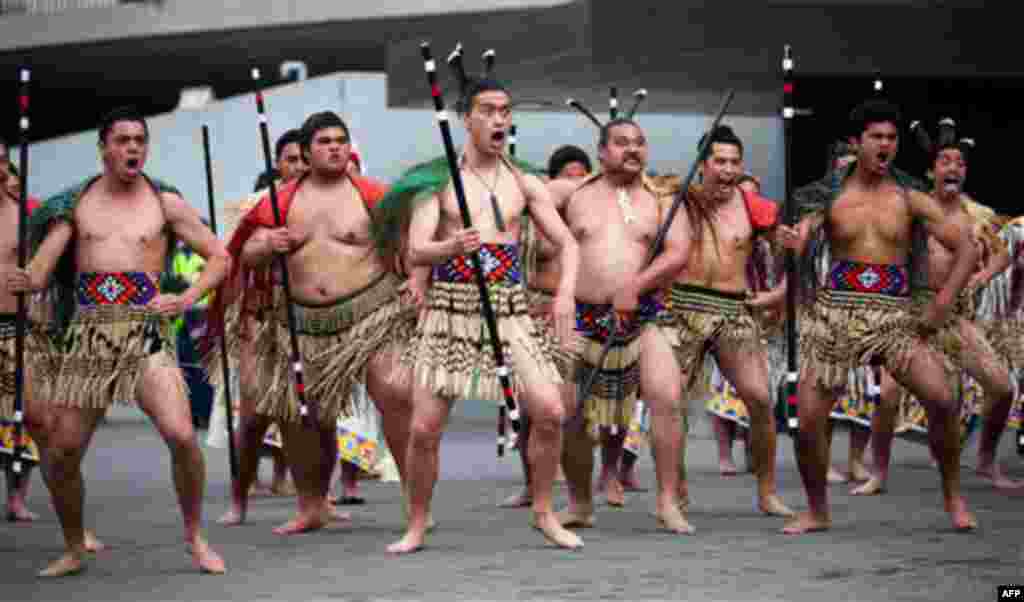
[(116, 288), (878, 279), (500, 262)]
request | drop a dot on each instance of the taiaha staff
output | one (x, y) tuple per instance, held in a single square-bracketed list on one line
[(300, 387), (22, 308), (512, 140), (613, 103), (684, 190), (504, 374), (232, 453), (790, 217)]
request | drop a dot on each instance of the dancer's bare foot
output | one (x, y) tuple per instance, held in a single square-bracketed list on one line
[(577, 518), (963, 519), (772, 505), (93, 544), (204, 558), (858, 472), (834, 476), (71, 563), (303, 523), (726, 467), (807, 522), (993, 473), (521, 500), (412, 541), (874, 486), (671, 519), (549, 524), (233, 517), (615, 494), (333, 515)]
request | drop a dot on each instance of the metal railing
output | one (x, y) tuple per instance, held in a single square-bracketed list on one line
[(47, 7)]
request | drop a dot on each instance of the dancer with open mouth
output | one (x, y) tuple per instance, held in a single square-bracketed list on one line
[(876, 229)]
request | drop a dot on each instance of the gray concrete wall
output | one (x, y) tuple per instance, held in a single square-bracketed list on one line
[(391, 139), (192, 16)]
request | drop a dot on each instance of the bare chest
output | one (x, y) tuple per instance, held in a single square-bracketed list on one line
[(138, 223), (733, 230), (485, 202), (331, 217), (856, 216), (603, 212), (8, 234)]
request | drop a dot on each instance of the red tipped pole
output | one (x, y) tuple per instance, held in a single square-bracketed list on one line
[(504, 373), (296, 356)]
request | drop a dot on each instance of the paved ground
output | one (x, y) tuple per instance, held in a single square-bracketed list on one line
[(897, 547)]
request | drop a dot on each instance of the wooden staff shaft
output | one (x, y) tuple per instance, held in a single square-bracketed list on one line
[(504, 374), (225, 368), (282, 264)]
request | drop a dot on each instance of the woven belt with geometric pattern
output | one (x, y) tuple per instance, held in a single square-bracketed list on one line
[(116, 288)]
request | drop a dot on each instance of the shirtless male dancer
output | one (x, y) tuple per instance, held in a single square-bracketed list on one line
[(542, 275), (615, 216), (451, 355), (349, 318), (711, 304), (864, 312), (115, 325), (980, 357), (35, 365)]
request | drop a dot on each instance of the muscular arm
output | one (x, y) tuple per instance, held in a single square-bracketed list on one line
[(952, 232), (545, 215), (41, 268), (424, 250), (185, 222), (670, 260)]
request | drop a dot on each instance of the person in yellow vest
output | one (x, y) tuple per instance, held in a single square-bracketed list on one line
[(186, 267)]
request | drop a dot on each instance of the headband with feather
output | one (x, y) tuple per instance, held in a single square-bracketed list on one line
[(469, 86), (638, 97), (946, 137)]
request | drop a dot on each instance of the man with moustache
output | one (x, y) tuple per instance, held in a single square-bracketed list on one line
[(615, 215)]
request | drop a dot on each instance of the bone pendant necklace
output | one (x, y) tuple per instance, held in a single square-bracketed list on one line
[(626, 207)]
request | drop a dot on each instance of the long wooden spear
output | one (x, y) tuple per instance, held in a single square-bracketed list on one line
[(282, 263), (232, 453), (22, 309), (504, 373)]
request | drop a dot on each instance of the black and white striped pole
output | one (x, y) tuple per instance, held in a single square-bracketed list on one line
[(792, 367), (25, 77), (504, 373)]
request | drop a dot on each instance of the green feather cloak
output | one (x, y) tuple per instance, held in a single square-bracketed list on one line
[(420, 183)]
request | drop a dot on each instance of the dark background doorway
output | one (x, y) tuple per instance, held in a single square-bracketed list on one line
[(987, 110)]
